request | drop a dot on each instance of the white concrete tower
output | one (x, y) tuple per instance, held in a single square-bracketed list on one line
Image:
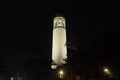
[(59, 48)]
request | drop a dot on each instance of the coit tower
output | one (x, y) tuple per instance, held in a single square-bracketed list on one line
[(59, 48)]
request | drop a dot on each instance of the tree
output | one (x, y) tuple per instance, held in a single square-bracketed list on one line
[(79, 58), (1, 78), (39, 67)]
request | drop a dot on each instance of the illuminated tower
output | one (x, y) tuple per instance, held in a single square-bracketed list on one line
[(59, 48)]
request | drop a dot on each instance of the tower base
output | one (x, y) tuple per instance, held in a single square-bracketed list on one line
[(54, 66)]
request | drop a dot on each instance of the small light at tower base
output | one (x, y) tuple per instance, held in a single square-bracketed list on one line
[(106, 71), (11, 78), (61, 73)]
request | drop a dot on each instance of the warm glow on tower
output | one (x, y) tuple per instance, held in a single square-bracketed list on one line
[(59, 48)]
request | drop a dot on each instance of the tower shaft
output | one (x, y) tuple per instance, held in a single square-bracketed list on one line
[(59, 49)]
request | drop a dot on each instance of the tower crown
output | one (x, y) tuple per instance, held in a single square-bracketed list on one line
[(59, 22)]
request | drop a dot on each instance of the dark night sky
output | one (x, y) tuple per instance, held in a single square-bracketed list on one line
[(26, 28)]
